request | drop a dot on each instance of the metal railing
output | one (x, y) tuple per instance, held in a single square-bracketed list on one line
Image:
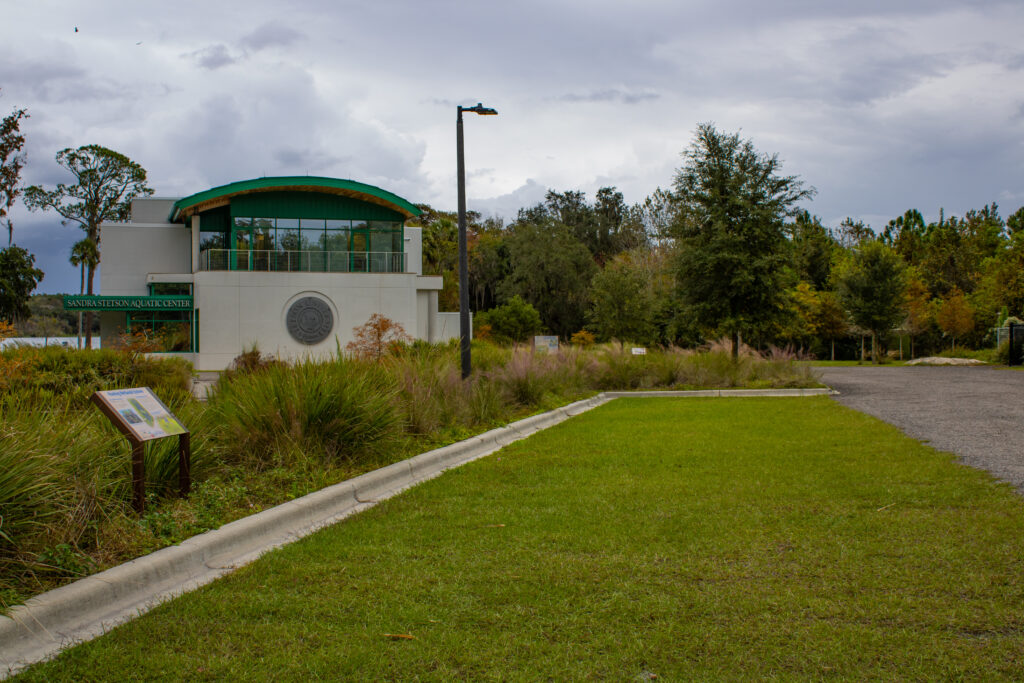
[(256, 260)]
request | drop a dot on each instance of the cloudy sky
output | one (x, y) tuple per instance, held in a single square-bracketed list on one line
[(880, 105)]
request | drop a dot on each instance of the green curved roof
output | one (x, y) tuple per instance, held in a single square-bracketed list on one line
[(219, 196)]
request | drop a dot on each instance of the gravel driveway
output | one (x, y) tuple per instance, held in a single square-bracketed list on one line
[(975, 412)]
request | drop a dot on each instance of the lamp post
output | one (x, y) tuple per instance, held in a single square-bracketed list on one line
[(463, 256)]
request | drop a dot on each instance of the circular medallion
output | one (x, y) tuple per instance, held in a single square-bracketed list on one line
[(309, 320)]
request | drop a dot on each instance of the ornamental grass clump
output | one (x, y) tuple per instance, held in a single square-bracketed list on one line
[(337, 411), (614, 368), (527, 377), (431, 394)]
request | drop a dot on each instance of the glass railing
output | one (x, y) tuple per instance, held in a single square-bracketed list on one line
[(302, 261)]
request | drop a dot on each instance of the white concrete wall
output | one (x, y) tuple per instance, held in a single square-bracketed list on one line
[(414, 250), (239, 309), (152, 209), (446, 326), (132, 251), (422, 315)]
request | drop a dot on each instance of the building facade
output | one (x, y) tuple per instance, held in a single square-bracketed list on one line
[(289, 265)]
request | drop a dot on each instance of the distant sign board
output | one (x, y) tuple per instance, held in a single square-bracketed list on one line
[(140, 413), (639, 351), (545, 344)]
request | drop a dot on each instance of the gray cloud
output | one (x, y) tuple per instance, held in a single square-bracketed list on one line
[(270, 35), (311, 161), (611, 95), (213, 57), (507, 205)]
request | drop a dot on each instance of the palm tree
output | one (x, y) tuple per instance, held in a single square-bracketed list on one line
[(84, 254)]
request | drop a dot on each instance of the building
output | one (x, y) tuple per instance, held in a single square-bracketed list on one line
[(290, 265)]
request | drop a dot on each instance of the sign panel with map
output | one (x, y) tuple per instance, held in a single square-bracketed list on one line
[(140, 413), (142, 417)]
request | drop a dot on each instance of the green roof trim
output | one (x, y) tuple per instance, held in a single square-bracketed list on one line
[(217, 196)]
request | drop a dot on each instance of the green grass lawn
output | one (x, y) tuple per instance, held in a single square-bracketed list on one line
[(679, 539)]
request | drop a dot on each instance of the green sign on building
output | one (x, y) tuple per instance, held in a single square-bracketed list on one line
[(89, 302)]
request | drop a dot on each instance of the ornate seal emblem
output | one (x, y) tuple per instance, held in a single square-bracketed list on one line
[(309, 320)]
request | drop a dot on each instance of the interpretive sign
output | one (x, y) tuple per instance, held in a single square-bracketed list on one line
[(141, 416), (545, 344), (142, 413), (639, 351)]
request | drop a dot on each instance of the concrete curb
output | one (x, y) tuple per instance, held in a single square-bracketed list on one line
[(723, 393), (80, 611)]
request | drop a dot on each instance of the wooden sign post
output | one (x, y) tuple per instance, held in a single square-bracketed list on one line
[(141, 416)]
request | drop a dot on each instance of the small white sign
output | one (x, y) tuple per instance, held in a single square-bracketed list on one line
[(545, 344), (639, 351)]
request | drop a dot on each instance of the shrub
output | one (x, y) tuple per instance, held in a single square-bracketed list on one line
[(377, 337), (514, 321), (582, 338), (47, 372)]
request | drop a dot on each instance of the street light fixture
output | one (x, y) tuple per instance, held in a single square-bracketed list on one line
[(463, 257)]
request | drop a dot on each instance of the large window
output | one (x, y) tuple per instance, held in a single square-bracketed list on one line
[(316, 244), (170, 330)]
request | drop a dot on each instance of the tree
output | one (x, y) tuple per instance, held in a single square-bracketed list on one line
[(605, 228), (376, 337), (622, 303), (1002, 282), (12, 160), (871, 286), (488, 267), (107, 181), (830, 321), (84, 255), (18, 277), (918, 307), (950, 256), (955, 316), (1015, 222), (514, 321), (812, 249), (729, 229), (906, 235), (656, 215), (851, 233), (802, 303), (550, 270)]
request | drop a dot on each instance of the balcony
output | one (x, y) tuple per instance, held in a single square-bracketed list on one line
[(272, 261)]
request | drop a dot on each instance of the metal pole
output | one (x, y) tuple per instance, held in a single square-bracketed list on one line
[(185, 464), (1011, 358), (463, 257), (138, 476)]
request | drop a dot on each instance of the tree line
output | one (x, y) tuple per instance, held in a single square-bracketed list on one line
[(728, 251)]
